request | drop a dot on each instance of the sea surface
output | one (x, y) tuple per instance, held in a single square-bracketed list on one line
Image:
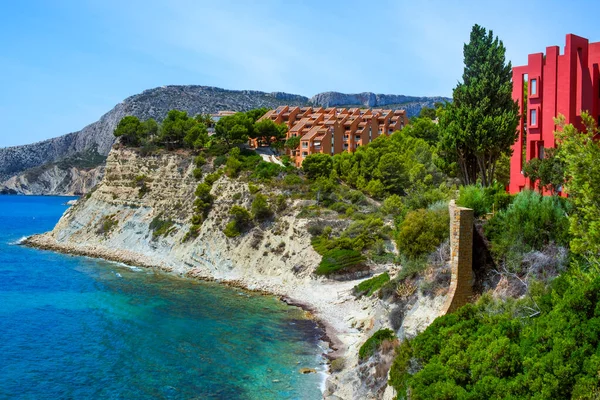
[(80, 328)]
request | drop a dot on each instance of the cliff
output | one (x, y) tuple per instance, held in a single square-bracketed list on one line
[(155, 103), (118, 221)]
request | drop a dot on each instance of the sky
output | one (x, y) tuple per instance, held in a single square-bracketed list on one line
[(64, 63)]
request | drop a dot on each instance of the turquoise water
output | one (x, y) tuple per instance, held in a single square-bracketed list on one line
[(79, 328)]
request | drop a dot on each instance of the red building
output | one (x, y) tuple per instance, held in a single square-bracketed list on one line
[(556, 84)]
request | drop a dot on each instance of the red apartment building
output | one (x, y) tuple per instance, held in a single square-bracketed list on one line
[(566, 84), (334, 130)]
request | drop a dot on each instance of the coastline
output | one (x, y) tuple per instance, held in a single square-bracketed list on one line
[(338, 339)]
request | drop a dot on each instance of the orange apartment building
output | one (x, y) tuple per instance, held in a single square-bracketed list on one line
[(334, 130)]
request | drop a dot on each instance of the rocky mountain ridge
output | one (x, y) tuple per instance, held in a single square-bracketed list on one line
[(155, 103)]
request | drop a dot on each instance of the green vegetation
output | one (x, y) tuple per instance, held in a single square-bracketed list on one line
[(161, 227), (260, 208), (241, 220), (545, 347), (317, 165), (370, 286), (483, 200), (422, 231), (398, 164), (479, 126), (340, 260), (374, 342), (107, 224), (532, 222)]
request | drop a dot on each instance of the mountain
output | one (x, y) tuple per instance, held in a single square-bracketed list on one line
[(46, 168)]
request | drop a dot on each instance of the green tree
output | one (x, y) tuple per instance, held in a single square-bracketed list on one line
[(548, 172), (256, 113), (234, 129), (479, 126), (174, 128), (317, 165), (581, 156), (269, 130), (260, 207), (150, 129), (130, 130), (293, 142), (197, 136), (424, 128)]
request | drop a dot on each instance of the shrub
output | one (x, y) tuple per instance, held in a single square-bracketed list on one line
[(210, 179), (260, 208), (266, 170), (483, 200), (374, 342), (233, 166), (240, 221), (532, 222), (197, 173), (253, 189), (219, 161), (107, 224), (370, 286), (422, 231), (161, 227), (199, 160), (281, 203), (217, 149), (231, 230), (340, 260), (292, 180)]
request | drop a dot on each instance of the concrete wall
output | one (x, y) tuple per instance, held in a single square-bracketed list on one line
[(461, 257)]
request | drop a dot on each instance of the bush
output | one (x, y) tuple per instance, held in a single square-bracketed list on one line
[(210, 179), (483, 200), (240, 221), (340, 260), (370, 286), (292, 180), (266, 170), (253, 189), (199, 160), (231, 230), (197, 173), (219, 161), (422, 231), (260, 208), (161, 227), (281, 203), (532, 222), (493, 350), (373, 343)]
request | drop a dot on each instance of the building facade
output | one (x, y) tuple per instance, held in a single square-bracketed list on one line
[(549, 85), (334, 130)]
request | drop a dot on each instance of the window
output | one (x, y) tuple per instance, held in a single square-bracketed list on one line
[(533, 118), (304, 145), (533, 87), (304, 153)]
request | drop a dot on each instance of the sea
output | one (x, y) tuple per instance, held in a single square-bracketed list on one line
[(80, 328)]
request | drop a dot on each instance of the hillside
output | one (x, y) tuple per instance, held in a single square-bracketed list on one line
[(153, 103)]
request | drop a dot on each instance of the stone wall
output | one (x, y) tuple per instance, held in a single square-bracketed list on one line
[(461, 257)]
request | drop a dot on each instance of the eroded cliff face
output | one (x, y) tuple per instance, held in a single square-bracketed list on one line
[(118, 220), (117, 217)]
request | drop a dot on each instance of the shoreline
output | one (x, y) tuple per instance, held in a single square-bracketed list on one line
[(335, 346)]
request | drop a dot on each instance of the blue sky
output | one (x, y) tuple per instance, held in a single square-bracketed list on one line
[(65, 63)]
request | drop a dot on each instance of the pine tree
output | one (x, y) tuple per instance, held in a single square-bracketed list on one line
[(480, 124)]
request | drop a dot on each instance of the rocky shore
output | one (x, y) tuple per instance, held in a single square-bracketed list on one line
[(117, 222)]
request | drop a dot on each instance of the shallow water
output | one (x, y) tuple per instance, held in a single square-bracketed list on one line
[(75, 327)]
